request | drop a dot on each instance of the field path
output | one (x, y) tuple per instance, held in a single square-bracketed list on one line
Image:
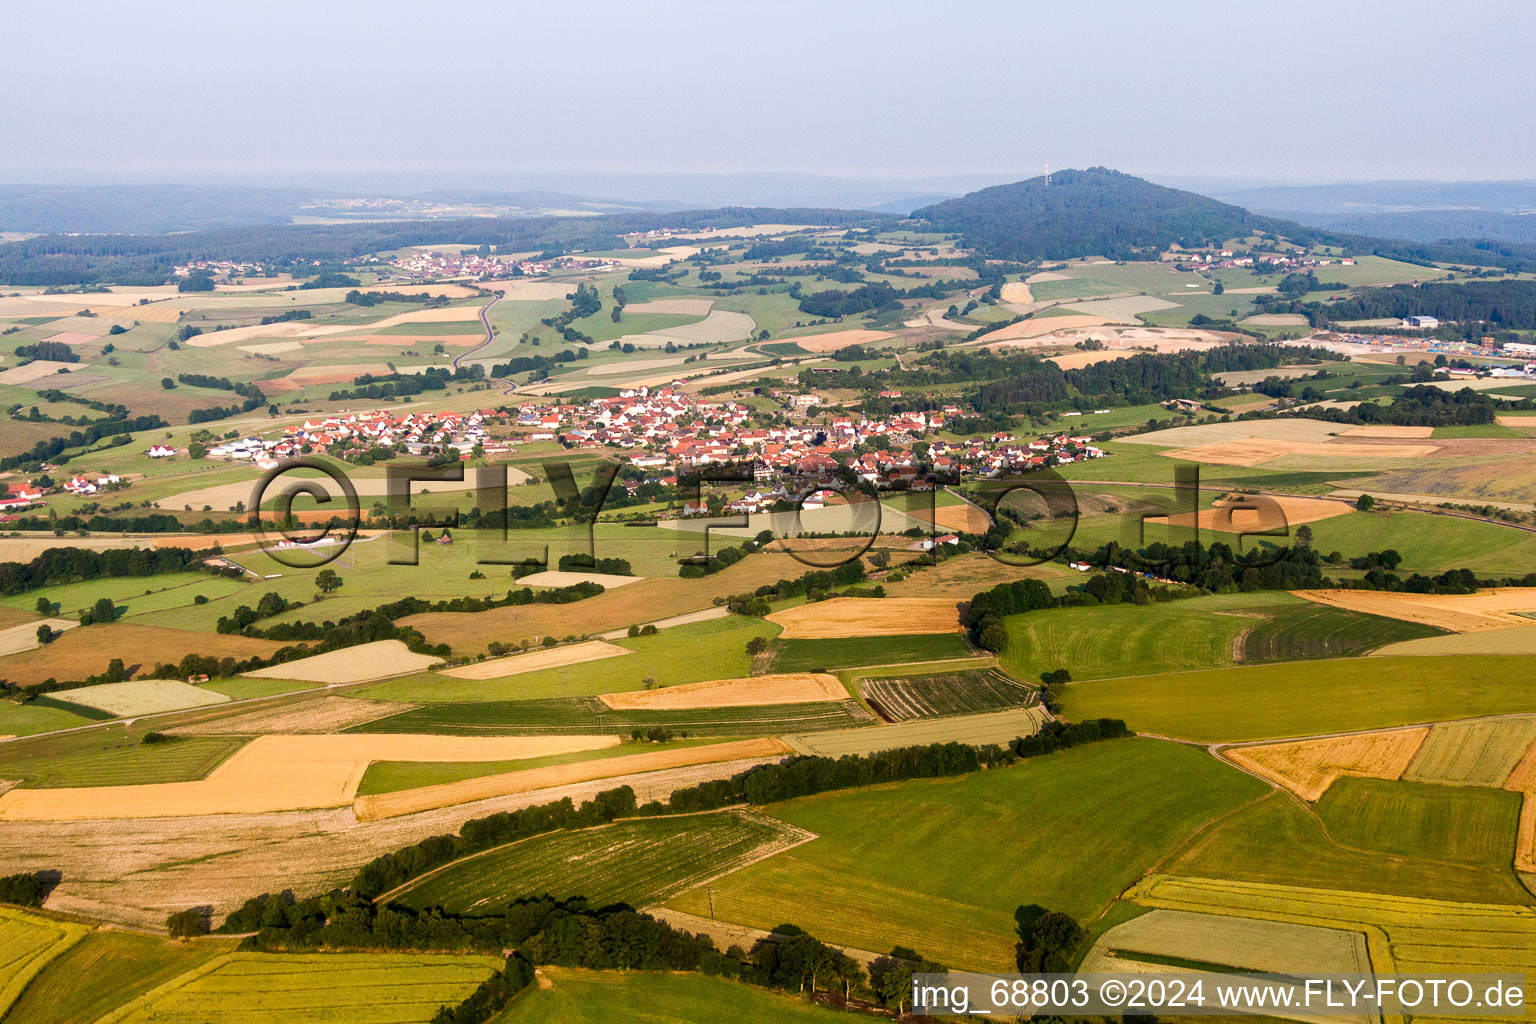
[(490, 335)]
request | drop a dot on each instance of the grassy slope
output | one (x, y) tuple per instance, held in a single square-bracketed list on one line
[(1271, 701), (1389, 837), (715, 649), (119, 966), (941, 865), (598, 997)]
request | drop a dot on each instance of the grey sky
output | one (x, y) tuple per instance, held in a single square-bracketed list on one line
[(1299, 90)]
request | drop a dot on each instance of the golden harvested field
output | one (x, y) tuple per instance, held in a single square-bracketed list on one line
[(646, 601), (88, 650), (786, 688), (963, 576), (1487, 641), (962, 518), (534, 661), (835, 340), (1257, 513), (281, 773), (352, 664), (159, 313), (1017, 291), (1035, 328), (410, 801), (143, 697), (1308, 767), (1494, 608), (859, 616), (1078, 360), (1255, 451), (560, 578), (1523, 780), (1481, 752), (313, 715), (1518, 422), (36, 370)]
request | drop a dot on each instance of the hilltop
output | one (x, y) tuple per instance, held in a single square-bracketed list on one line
[(1096, 212)]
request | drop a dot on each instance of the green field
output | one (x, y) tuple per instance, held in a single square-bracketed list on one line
[(1428, 543), (941, 865), (369, 988), (393, 776), (121, 965), (581, 715), (944, 693), (111, 756), (690, 653), (28, 943), (1404, 838), (850, 652), (1273, 701), (1096, 642), (637, 997), (34, 717), (638, 862)]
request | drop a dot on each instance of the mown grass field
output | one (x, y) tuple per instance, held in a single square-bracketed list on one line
[(1428, 543), (691, 653), (635, 997), (945, 693), (940, 865), (120, 966), (1255, 702), (581, 715), (636, 862), (850, 652), (1407, 839), (112, 756), (31, 718), (1200, 632), (376, 988)]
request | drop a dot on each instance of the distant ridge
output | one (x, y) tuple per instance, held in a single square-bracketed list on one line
[(1096, 212)]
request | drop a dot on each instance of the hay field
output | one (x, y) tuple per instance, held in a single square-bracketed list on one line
[(1487, 641), (534, 661), (411, 801), (788, 688), (352, 664), (961, 518), (1308, 767), (16, 639), (1257, 451), (1474, 753), (719, 325), (1386, 430), (1253, 944), (639, 862), (1494, 608), (1078, 360), (314, 715), (143, 697), (523, 290), (285, 988), (1518, 422), (1523, 780), (834, 341), (281, 773), (858, 616), (974, 730), (36, 370), (88, 650), (1017, 291), (28, 942), (558, 578), (1255, 514)]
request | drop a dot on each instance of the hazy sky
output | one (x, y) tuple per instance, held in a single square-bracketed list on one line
[(1301, 90)]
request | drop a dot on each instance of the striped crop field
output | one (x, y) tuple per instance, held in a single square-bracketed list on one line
[(944, 693), (639, 862), (1476, 753), (336, 988)]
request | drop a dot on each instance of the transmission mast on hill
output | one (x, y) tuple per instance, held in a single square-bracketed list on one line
[(1047, 174)]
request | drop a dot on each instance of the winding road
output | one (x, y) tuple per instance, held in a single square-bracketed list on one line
[(490, 336)]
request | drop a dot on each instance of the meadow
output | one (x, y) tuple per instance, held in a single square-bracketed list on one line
[(107, 756), (1200, 632), (852, 652), (690, 653), (637, 997), (1275, 701), (637, 862), (940, 865)]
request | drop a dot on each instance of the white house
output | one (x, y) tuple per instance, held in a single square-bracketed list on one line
[(160, 451)]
